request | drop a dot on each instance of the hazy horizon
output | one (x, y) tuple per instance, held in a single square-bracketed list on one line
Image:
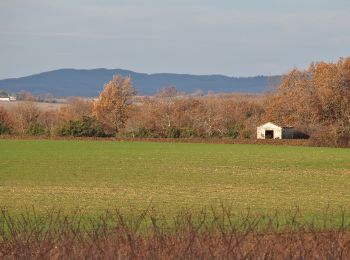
[(148, 73), (232, 38)]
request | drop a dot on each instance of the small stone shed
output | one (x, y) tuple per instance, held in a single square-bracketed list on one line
[(273, 131)]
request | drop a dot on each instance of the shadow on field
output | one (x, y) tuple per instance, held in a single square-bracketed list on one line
[(211, 234)]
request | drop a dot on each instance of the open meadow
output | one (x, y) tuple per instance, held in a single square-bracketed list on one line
[(98, 175)]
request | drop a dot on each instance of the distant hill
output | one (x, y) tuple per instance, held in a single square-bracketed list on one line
[(89, 83)]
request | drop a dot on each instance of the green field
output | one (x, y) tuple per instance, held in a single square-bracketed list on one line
[(97, 175)]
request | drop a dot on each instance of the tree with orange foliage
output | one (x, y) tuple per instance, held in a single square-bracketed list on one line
[(316, 98), (317, 95), (291, 104), (113, 105)]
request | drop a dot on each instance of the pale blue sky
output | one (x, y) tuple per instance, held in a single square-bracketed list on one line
[(235, 38)]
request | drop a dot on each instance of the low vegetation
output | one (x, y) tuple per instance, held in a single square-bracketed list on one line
[(208, 235)]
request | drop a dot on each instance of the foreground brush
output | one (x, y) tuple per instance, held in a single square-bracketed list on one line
[(210, 235)]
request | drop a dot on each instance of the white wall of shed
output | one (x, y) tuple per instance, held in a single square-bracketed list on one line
[(277, 131)]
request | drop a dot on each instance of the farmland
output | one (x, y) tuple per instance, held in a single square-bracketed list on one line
[(97, 175), (42, 106)]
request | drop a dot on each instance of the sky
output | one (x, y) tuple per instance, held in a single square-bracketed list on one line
[(230, 37)]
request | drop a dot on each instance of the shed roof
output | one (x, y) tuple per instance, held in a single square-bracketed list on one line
[(270, 124)]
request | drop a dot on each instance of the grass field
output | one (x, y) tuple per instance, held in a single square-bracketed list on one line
[(96, 175)]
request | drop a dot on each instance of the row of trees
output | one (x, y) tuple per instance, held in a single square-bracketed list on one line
[(117, 111), (315, 100)]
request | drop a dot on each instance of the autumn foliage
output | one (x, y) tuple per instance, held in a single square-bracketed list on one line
[(113, 105), (316, 101)]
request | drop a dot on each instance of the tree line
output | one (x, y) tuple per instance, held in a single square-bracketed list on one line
[(316, 101)]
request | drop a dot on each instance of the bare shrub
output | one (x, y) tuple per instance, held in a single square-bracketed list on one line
[(334, 135), (5, 122), (75, 110), (25, 115), (207, 235)]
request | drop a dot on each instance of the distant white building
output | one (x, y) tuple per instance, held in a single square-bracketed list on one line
[(273, 131), (8, 99)]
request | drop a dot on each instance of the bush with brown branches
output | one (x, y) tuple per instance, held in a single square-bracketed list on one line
[(216, 235)]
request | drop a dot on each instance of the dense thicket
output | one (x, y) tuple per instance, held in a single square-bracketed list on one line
[(84, 127), (316, 101)]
